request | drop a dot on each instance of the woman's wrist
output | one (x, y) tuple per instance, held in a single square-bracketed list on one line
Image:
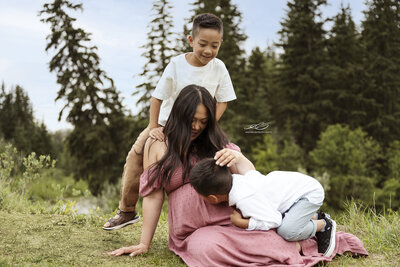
[(145, 244)]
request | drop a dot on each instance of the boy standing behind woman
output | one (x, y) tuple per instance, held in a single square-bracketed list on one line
[(200, 67)]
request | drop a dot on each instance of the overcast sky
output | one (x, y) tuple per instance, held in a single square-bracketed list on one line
[(119, 29)]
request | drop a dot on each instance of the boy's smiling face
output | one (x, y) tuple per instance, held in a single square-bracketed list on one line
[(205, 44)]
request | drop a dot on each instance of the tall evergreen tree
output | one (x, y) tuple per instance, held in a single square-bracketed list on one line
[(257, 79), (345, 76), (381, 37), (18, 125), (255, 102), (95, 108), (159, 49), (301, 71)]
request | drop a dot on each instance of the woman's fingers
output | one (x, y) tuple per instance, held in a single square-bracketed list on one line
[(221, 152), (132, 250), (136, 252), (221, 155), (228, 161), (120, 251), (225, 157), (139, 249)]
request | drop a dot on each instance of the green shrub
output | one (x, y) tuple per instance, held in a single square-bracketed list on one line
[(33, 167), (53, 185), (393, 156), (10, 161), (268, 156), (291, 157), (265, 155), (350, 158), (390, 194), (32, 178)]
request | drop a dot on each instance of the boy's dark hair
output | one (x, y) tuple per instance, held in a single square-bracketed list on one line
[(208, 178), (206, 21)]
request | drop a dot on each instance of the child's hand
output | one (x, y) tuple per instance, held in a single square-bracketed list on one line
[(227, 157), (235, 217), (237, 220), (157, 133)]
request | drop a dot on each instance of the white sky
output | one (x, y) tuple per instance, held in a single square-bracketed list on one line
[(118, 29)]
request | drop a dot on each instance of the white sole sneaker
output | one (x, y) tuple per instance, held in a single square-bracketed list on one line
[(135, 220), (332, 244)]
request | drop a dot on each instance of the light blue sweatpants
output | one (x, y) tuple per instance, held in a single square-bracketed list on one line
[(297, 223)]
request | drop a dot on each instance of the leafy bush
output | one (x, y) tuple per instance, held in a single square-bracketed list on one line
[(33, 166), (10, 160), (32, 184), (53, 185), (350, 158), (393, 156), (265, 155), (269, 157), (390, 194)]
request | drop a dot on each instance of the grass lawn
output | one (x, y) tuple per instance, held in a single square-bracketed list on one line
[(66, 240), (62, 240)]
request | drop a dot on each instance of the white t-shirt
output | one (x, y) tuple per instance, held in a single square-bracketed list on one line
[(264, 198), (179, 73)]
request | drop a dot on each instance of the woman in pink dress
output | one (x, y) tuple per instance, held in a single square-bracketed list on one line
[(200, 233)]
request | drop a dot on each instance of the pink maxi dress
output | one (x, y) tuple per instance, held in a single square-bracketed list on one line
[(203, 235)]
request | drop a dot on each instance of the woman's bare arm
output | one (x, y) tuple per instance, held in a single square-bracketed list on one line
[(152, 204)]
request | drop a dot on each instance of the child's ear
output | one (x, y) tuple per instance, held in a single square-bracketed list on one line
[(213, 199), (190, 39)]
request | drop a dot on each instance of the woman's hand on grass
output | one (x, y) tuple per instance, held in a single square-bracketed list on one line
[(132, 250)]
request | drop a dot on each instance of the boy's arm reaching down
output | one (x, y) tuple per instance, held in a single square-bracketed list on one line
[(155, 131), (221, 107), (155, 105)]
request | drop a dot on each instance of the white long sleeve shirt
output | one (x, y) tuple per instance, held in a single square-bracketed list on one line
[(264, 198)]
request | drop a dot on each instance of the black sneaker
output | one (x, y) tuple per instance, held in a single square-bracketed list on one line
[(121, 220), (322, 215), (326, 239)]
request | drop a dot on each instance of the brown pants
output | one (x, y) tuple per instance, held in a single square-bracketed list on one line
[(133, 168)]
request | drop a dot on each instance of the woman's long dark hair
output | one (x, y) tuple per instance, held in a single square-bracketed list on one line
[(178, 131)]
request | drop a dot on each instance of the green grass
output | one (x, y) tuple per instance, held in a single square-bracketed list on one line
[(78, 240), (65, 240), (380, 234)]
